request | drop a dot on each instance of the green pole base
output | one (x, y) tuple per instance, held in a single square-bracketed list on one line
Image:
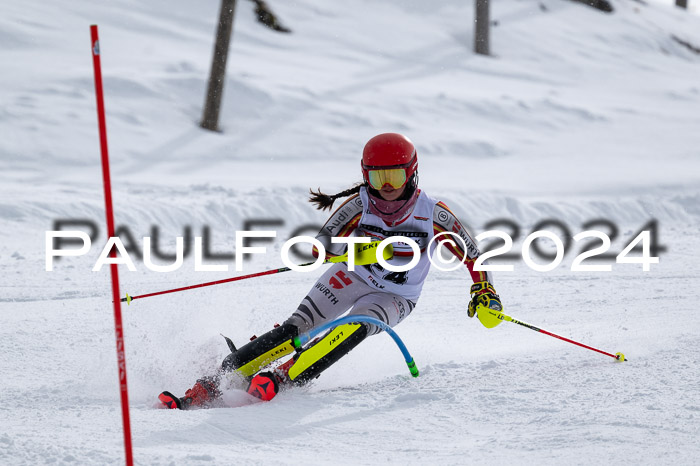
[(412, 367)]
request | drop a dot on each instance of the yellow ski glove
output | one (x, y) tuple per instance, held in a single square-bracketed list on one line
[(484, 297)]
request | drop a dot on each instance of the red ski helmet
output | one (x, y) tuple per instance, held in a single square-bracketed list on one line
[(391, 158)]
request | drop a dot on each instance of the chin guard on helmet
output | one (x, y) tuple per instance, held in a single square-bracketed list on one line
[(394, 211)]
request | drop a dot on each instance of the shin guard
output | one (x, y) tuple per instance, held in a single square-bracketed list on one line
[(321, 355), (265, 349)]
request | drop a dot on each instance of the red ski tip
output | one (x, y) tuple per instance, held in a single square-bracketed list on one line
[(169, 401)]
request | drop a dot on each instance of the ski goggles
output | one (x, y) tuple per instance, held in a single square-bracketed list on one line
[(394, 177)]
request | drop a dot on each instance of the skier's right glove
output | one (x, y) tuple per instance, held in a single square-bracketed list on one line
[(484, 297)]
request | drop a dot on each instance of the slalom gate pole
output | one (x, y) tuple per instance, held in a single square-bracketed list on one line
[(306, 337), (119, 331), (492, 314), (364, 254), (128, 298)]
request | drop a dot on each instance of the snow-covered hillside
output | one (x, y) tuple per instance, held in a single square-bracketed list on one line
[(578, 117)]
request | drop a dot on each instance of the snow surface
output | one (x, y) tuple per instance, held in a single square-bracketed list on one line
[(578, 116)]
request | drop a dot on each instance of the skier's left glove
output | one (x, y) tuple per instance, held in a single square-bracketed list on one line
[(483, 296)]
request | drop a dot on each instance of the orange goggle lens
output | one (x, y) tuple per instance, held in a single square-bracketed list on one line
[(395, 177)]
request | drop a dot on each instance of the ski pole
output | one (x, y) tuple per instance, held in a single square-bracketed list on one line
[(364, 255), (306, 337), (491, 317)]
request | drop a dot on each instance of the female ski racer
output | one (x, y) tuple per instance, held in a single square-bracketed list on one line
[(388, 203)]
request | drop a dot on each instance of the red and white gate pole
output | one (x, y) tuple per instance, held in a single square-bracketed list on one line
[(119, 331)]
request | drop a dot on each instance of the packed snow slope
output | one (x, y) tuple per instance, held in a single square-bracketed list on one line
[(583, 119)]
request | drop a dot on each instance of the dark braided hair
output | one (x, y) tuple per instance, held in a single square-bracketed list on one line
[(325, 202)]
